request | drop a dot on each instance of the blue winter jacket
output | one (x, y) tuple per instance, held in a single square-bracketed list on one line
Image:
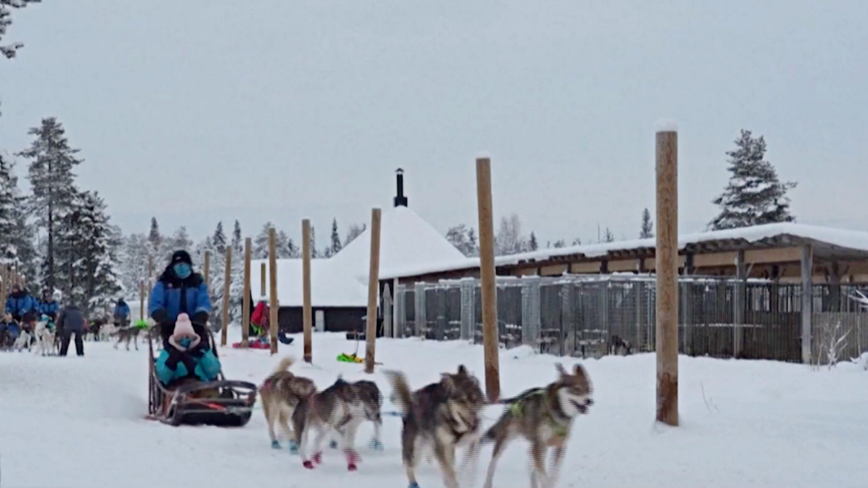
[(18, 306), (122, 310), (166, 295), (49, 308), (207, 368)]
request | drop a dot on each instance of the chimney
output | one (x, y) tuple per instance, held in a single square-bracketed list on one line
[(400, 199)]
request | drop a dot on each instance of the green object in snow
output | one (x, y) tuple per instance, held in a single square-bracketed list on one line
[(141, 324), (349, 358)]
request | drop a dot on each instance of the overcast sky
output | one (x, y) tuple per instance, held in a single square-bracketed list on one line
[(196, 111)]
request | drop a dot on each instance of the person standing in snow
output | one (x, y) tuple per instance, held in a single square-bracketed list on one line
[(71, 321), (121, 314), (21, 305), (49, 306)]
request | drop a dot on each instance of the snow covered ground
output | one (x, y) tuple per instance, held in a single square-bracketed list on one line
[(78, 422)]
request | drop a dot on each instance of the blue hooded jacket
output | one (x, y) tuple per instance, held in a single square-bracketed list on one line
[(122, 310), (207, 368), (49, 308), (20, 304), (173, 296)]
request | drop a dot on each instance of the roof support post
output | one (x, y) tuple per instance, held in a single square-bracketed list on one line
[(740, 303), (807, 300)]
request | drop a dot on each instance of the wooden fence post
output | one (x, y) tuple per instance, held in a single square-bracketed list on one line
[(142, 303), (490, 339), (262, 275), (207, 270), (306, 311), (245, 300), (227, 287), (667, 275), (272, 288), (373, 288)]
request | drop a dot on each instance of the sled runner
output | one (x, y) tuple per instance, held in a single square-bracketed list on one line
[(221, 403)]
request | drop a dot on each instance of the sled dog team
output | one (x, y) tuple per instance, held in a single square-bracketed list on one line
[(437, 419)]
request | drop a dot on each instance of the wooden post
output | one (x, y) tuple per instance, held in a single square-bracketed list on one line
[(395, 309), (667, 276), (489, 279), (227, 287), (4, 284), (207, 269), (262, 276), (387, 310), (142, 303), (306, 312), (740, 303), (245, 300), (807, 301), (150, 268), (272, 288), (373, 291)]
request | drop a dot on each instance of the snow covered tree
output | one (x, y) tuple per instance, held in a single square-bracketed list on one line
[(286, 248), (179, 240), (336, 239), (313, 252), (754, 194), (509, 239), (218, 240), (52, 181), (9, 200), (353, 231), (463, 238), (260, 243), (647, 230), (532, 244), (608, 236), (134, 264), (576, 242), (237, 240), (6, 6), (559, 244), (154, 236)]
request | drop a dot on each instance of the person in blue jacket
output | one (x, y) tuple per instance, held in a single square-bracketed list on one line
[(21, 305), (49, 306), (180, 290), (121, 313)]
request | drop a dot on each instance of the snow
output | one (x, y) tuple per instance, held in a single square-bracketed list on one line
[(666, 125), (851, 239), (77, 422), (406, 240)]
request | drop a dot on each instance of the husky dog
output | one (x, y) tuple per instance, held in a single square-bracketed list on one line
[(44, 338), (439, 417), (125, 334), (281, 393), (337, 408), (372, 401), (23, 341), (620, 346), (106, 331), (544, 417)]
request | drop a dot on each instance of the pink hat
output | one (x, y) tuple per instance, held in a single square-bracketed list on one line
[(184, 328)]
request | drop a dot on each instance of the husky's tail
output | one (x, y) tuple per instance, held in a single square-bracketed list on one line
[(402, 396), (284, 364)]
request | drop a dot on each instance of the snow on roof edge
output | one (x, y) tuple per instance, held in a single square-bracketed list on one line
[(852, 239)]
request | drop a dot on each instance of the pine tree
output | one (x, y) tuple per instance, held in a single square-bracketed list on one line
[(237, 241), (9, 200), (472, 242), (647, 230), (313, 252), (559, 244), (10, 50), (532, 244), (576, 242), (336, 239), (354, 230), (463, 238), (754, 194), (260, 243), (154, 236), (218, 240), (609, 236), (180, 241), (134, 264), (52, 181), (286, 248)]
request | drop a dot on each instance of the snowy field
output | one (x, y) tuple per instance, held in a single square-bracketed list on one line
[(78, 422)]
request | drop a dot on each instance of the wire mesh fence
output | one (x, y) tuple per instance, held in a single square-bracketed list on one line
[(590, 316)]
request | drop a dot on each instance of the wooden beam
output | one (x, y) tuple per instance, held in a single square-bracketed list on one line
[(227, 287), (274, 308), (373, 290), (740, 292), (667, 277), (807, 301), (490, 342), (623, 265), (585, 267), (305, 285), (245, 300), (773, 255)]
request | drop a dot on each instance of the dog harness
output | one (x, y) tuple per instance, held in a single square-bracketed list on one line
[(517, 410)]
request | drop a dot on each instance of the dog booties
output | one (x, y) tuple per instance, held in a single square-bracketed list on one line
[(184, 330)]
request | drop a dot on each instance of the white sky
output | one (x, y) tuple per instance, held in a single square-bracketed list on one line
[(200, 110)]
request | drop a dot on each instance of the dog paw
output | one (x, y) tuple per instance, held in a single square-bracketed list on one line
[(352, 467), (376, 445), (275, 445), (308, 464), (317, 458), (413, 485)]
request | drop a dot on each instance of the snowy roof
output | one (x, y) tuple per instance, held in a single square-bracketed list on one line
[(406, 240), (850, 239)]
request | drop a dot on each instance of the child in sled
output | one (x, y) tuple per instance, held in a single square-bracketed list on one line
[(186, 356)]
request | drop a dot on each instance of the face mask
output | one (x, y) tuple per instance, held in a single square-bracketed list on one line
[(185, 342), (182, 270)]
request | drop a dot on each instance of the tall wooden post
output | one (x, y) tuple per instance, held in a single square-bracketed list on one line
[(667, 276), (272, 288), (150, 268), (262, 276), (489, 279), (245, 300), (142, 303), (373, 289), (4, 290), (807, 268), (207, 269), (306, 311), (227, 287)]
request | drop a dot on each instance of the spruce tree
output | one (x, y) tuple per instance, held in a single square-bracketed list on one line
[(154, 236), (754, 194), (532, 244), (180, 241), (285, 246), (353, 231), (237, 241), (218, 240), (336, 238), (134, 264), (9, 200), (647, 230), (608, 236), (6, 6), (260, 243), (313, 252), (52, 181)]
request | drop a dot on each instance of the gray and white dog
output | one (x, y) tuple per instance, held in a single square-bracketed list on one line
[(339, 409), (281, 393), (372, 401), (126, 334), (543, 416), (440, 418)]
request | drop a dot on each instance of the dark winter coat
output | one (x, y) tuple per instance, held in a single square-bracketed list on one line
[(172, 295), (71, 319), (122, 311), (49, 308), (20, 303)]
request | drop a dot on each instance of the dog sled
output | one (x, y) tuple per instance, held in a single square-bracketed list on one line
[(220, 403)]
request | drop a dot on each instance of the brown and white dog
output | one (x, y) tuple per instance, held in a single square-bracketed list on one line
[(440, 418), (281, 393), (543, 416)]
